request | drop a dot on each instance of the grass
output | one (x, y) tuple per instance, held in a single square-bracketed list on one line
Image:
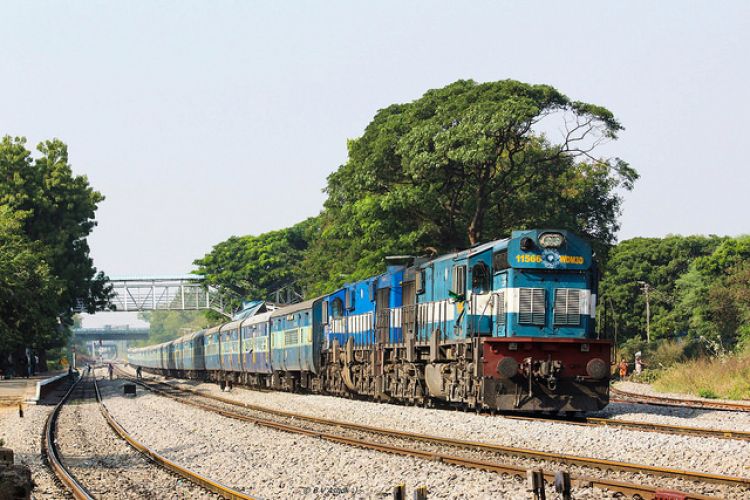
[(726, 378)]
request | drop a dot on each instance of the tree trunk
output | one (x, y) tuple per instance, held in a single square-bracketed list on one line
[(477, 221), (42, 368)]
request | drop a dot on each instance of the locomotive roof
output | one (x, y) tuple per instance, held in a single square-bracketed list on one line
[(468, 252)]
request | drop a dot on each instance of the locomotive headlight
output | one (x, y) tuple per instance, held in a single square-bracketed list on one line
[(551, 240)]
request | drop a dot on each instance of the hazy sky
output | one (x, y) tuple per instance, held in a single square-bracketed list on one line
[(199, 121)]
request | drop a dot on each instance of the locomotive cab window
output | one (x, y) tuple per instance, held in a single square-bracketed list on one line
[(337, 308), (480, 279), (500, 261)]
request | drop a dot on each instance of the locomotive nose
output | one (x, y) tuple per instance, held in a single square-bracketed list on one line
[(596, 368)]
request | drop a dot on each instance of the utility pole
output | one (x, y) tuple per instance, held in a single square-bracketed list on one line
[(644, 288)]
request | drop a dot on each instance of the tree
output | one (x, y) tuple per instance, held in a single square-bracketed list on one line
[(55, 210), (254, 267), (662, 263), (29, 293), (711, 299), (462, 164), (729, 304)]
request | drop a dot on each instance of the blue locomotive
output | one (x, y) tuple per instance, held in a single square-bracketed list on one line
[(506, 325)]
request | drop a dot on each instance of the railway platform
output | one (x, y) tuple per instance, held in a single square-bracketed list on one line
[(26, 390)]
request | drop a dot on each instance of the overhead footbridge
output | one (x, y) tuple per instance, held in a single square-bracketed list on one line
[(187, 292), (105, 333)]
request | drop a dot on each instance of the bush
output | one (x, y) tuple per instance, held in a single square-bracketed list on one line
[(707, 393), (647, 376), (727, 377), (667, 353)]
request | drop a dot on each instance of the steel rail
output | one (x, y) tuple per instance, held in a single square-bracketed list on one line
[(670, 429), (644, 491), (633, 398), (643, 426), (49, 448), (204, 482), (526, 453)]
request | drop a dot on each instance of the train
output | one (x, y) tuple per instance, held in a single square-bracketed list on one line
[(507, 325)]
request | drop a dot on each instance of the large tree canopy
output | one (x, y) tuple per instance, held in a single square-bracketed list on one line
[(711, 300), (29, 293), (467, 163), (660, 262), (54, 209), (255, 267)]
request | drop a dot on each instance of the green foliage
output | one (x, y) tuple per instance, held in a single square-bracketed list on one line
[(464, 164), (713, 294), (54, 210), (725, 377), (30, 294), (254, 267), (707, 393), (660, 262), (698, 287), (169, 325)]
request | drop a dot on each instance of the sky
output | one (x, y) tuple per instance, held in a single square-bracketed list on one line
[(203, 120)]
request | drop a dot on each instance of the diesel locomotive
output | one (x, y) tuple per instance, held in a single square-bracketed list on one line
[(505, 325)]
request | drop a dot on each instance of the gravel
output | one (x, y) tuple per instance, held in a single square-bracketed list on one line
[(705, 454), (689, 417), (105, 464), (24, 437), (275, 464)]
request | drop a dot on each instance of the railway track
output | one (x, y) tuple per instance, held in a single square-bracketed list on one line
[(620, 396), (154, 466), (464, 453), (647, 427), (52, 454)]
